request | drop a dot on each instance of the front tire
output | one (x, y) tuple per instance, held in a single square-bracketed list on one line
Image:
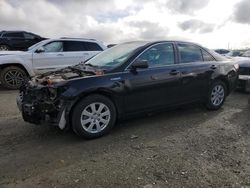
[(216, 95), (12, 77), (93, 116)]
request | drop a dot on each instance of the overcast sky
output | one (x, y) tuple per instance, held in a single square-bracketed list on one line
[(212, 23)]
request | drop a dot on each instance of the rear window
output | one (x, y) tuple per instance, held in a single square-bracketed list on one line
[(91, 46), (207, 56), (189, 53), (13, 34)]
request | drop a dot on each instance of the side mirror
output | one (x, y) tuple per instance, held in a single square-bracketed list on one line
[(139, 64), (40, 50)]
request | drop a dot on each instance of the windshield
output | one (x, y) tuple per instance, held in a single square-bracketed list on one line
[(116, 55)]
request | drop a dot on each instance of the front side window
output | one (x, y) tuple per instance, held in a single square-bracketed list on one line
[(159, 55), (53, 47), (189, 53)]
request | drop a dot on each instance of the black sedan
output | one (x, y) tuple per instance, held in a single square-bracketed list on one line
[(127, 79)]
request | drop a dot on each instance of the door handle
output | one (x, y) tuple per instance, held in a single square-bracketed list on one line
[(174, 72), (85, 53), (59, 54), (213, 67)]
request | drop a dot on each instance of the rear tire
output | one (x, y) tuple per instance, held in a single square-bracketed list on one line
[(12, 77), (4, 47), (216, 95), (93, 116)]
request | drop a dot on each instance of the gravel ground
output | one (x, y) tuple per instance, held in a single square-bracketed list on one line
[(187, 147)]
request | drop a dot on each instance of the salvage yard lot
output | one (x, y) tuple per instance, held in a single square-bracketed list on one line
[(187, 147)]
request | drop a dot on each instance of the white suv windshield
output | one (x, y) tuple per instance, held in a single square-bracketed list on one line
[(116, 55)]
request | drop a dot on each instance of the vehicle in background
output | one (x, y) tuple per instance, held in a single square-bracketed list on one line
[(246, 54), (18, 40), (235, 53), (47, 55), (222, 51), (244, 75), (125, 80)]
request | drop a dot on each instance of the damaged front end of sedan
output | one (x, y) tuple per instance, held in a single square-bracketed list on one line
[(45, 98)]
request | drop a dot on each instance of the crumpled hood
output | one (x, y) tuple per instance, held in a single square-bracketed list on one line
[(64, 74)]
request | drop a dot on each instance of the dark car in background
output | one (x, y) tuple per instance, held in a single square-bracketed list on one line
[(246, 54), (235, 53), (18, 40), (244, 75), (222, 51), (126, 80)]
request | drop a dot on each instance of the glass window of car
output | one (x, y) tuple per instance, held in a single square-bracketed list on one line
[(56, 46), (91, 46), (207, 56), (73, 46), (189, 53), (159, 55), (14, 35), (115, 56), (29, 36)]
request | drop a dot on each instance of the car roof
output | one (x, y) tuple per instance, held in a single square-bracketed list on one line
[(162, 41), (12, 31), (73, 39)]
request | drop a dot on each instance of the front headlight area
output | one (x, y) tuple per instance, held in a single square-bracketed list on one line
[(52, 93)]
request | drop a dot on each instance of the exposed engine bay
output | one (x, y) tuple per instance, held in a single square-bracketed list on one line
[(40, 98), (71, 72)]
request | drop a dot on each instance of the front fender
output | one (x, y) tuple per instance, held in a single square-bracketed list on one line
[(26, 64)]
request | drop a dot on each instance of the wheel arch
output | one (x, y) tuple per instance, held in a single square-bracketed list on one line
[(104, 93), (224, 80), (2, 66)]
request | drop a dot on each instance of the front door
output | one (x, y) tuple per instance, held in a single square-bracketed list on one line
[(156, 86), (51, 59)]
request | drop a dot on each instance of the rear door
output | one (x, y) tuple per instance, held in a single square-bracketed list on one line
[(196, 66), (156, 86)]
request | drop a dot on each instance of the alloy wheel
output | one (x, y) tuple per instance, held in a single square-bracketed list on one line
[(14, 78), (217, 95), (95, 117)]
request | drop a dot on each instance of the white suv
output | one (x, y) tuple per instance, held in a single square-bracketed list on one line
[(47, 55)]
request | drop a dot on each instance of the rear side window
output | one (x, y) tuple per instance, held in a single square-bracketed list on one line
[(14, 35), (73, 46), (207, 56), (189, 53), (91, 46), (29, 36)]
